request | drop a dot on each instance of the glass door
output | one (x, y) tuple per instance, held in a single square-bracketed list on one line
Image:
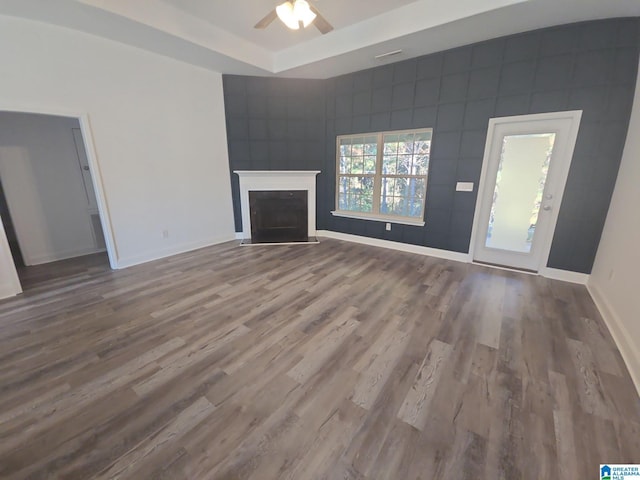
[(524, 174)]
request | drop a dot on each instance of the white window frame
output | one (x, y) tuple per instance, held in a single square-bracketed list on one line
[(377, 180)]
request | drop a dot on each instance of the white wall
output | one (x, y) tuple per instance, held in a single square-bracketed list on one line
[(157, 126), (9, 282), (44, 187), (614, 278)]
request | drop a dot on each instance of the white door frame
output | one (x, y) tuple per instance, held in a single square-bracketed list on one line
[(562, 174), (9, 281), (94, 167)]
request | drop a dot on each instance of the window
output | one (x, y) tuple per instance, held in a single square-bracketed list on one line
[(383, 175)]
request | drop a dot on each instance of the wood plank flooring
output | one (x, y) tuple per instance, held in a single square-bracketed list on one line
[(329, 361)]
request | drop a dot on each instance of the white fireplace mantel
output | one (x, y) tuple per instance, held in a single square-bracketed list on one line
[(262, 180)]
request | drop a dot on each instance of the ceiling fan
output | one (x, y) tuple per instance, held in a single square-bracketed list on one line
[(296, 13)]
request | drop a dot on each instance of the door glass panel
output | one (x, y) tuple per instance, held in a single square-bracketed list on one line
[(520, 181)]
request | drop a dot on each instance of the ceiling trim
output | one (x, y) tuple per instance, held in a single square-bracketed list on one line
[(415, 17), (418, 28)]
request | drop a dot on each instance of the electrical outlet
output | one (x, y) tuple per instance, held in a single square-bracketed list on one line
[(388, 227), (165, 233), (464, 187)]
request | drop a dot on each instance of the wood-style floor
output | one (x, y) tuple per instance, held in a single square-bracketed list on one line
[(329, 361), (33, 276)]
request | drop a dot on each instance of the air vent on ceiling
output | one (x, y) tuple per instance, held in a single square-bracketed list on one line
[(388, 54)]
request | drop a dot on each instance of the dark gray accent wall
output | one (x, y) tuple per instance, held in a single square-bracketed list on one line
[(589, 66), (273, 124)]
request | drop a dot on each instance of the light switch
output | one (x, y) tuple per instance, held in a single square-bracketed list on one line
[(464, 187)]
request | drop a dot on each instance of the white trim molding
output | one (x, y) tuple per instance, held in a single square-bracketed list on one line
[(552, 273), (174, 250), (55, 257), (9, 281), (564, 275), (403, 247), (376, 218), (265, 180), (620, 334)]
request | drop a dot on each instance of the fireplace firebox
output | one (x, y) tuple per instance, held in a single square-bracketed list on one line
[(278, 206), (278, 216)]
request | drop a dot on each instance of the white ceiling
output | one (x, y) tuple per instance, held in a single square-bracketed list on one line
[(239, 17), (219, 34)]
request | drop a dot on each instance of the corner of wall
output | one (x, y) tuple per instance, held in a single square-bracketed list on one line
[(619, 332), (125, 262)]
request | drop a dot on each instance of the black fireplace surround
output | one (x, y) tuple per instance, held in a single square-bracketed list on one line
[(279, 216)]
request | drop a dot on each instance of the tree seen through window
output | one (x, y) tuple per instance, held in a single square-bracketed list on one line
[(384, 174)]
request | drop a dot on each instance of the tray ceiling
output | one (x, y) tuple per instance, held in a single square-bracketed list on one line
[(219, 34)]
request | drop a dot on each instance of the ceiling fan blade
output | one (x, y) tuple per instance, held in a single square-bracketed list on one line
[(266, 21), (320, 22)]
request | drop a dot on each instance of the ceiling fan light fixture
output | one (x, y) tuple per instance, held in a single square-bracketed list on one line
[(292, 14), (303, 12), (286, 14)]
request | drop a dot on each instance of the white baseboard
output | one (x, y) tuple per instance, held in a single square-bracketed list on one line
[(553, 273), (239, 236), (8, 289), (57, 256), (622, 337), (403, 247), (125, 262), (564, 275)]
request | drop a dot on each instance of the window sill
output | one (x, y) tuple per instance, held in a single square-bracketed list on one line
[(377, 218)]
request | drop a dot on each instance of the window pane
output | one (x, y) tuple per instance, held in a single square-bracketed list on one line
[(342, 201), (389, 165), (390, 144), (422, 136), (420, 165), (421, 147), (345, 147), (520, 181), (356, 194), (371, 146), (388, 186), (416, 209), (370, 164), (386, 205), (417, 188), (357, 165), (358, 146), (405, 144), (408, 194), (404, 164), (399, 206), (358, 155), (401, 186), (386, 194), (345, 164), (352, 202)]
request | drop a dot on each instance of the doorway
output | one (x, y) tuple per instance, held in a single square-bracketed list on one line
[(524, 172), (51, 212), (9, 229)]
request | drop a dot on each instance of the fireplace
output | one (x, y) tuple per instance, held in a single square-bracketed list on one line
[(278, 216), (278, 206)]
